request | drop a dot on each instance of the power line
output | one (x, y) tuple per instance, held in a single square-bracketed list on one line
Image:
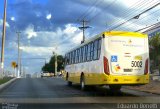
[(148, 21), (135, 17), (129, 11), (108, 6), (149, 27), (80, 17), (93, 4), (92, 9), (139, 6), (86, 11)]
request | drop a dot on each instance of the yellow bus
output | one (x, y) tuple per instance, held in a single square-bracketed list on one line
[(113, 58)]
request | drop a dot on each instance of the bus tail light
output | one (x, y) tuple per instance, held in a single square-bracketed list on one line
[(106, 65), (146, 67)]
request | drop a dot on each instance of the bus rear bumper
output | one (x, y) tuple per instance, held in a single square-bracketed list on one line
[(128, 79), (103, 79)]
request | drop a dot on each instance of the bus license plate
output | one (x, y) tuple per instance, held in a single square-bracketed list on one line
[(127, 70)]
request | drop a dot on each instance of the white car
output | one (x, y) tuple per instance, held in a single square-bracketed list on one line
[(47, 74)]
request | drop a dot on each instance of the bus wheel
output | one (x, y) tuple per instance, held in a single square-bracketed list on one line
[(69, 83), (82, 83), (67, 77), (115, 88)]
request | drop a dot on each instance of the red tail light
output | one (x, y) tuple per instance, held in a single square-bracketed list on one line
[(106, 65), (146, 67)]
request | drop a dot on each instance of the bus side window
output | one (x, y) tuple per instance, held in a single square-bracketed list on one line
[(70, 58), (78, 55), (65, 59), (74, 56), (95, 49), (77, 52), (79, 58), (91, 51), (81, 54), (76, 59), (88, 53), (99, 47)]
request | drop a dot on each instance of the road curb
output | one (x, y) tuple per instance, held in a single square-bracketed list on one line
[(143, 91), (2, 86)]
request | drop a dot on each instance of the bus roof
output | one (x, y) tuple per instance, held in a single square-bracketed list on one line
[(125, 33), (112, 33)]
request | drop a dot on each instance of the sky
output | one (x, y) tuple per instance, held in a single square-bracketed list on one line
[(52, 25)]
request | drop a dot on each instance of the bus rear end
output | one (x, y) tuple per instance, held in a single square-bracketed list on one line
[(127, 58)]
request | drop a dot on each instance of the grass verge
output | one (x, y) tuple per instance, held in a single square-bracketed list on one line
[(5, 79)]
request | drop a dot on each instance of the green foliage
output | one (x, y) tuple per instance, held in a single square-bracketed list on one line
[(50, 67), (154, 42)]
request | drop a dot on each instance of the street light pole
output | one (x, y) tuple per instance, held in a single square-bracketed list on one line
[(3, 39), (18, 68)]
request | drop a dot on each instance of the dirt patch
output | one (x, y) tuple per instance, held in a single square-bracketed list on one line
[(152, 87)]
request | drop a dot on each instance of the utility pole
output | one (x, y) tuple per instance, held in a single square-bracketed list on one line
[(18, 68), (83, 28), (55, 64), (3, 39), (55, 54)]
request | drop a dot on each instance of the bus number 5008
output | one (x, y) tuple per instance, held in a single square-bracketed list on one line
[(136, 64)]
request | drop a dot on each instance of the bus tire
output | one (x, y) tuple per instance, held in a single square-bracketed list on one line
[(69, 83), (67, 77), (115, 88), (82, 82)]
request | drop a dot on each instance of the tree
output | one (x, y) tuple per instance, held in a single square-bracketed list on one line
[(154, 42), (50, 67)]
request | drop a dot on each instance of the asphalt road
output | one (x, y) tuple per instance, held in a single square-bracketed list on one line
[(42, 93), (51, 88), (39, 88)]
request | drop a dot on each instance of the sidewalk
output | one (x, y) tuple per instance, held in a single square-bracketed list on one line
[(152, 87), (2, 86)]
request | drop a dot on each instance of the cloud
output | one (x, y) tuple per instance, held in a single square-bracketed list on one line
[(38, 14), (12, 18), (78, 37), (41, 32), (30, 32), (49, 16), (70, 29), (37, 51), (60, 38), (1, 23)]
